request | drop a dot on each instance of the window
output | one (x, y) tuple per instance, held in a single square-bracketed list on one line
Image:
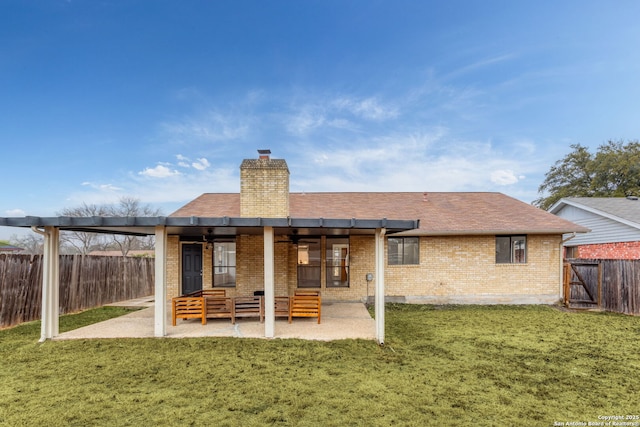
[(511, 249), (224, 263), (337, 258), (309, 263), (571, 252), (403, 250)]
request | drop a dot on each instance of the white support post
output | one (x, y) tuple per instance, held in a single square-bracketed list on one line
[(379, 295), (50, 319), (269, 284), (160, 292)]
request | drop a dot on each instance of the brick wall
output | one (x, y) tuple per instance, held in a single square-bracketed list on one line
[(174, 268), (251, 274), (618, 250), (451, 270), (463, 270)]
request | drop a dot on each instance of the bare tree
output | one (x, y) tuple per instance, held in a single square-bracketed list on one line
[(31, 243), (84, 242), (127, 207)]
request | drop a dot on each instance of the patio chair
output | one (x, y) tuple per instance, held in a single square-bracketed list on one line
[(248, 307), (281, 306), (305, 304), (188, 308)]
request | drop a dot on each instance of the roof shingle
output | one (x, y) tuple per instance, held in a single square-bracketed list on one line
[(440, 213), (621, 207)]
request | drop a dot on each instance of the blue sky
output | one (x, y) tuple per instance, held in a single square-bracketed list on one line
[(161, 100)]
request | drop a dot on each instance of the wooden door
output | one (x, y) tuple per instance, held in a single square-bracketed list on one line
[(582, 284)]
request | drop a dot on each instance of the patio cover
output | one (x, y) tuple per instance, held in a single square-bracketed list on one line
[(161, 227)]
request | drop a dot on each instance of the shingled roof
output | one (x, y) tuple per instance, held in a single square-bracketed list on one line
[(617, 208), (439, 213)]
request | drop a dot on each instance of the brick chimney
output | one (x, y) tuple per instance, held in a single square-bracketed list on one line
[(264, 187)]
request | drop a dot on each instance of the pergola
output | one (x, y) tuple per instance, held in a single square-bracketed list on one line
[(161, 227)]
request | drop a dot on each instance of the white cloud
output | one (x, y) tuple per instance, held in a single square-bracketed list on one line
[(480, 64), (160, 171), (183, 161), (208, 127), (15, 212), (185, 187), (305, 121), (96, 193), (340, 143), (504, 177), (368, 108), (342, 113), (201, 164), (101, 187), (431, 160)]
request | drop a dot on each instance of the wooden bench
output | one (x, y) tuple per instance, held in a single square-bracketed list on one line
[(305, 304), (189, 308), (249, 307), (203, 304), (208, 293), (220, 308)]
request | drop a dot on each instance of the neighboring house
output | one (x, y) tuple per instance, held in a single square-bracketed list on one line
[(7, 248), (413, 246), (614, 223)]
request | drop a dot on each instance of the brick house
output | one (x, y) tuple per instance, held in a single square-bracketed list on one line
[(413, 246), (614, 223), (468, 247)]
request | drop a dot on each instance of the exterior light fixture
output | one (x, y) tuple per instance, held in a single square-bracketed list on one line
[(209, 239)]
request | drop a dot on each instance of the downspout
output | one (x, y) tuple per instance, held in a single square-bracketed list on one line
[(561, 293), (37, 230), (569, 238)]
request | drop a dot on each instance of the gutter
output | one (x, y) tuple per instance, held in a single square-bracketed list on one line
[(495, 232)]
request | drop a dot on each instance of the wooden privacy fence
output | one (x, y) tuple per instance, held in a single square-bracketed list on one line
[(85, 282), (609, 284)]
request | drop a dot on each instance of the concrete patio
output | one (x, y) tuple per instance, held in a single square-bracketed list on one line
[(339, 321)]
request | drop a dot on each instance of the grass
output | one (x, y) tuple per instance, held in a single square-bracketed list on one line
[(454, 365)]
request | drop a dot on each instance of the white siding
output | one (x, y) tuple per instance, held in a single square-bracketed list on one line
[(603, 230)]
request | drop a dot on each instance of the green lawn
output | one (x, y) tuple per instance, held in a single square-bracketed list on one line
[(454, 366)]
